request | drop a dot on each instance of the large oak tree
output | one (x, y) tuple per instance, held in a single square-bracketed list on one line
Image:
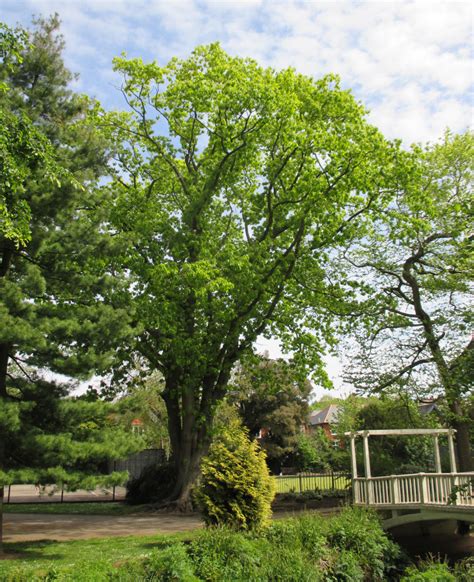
[(232, 184)]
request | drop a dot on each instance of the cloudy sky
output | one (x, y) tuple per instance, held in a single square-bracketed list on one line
[(410, 63)]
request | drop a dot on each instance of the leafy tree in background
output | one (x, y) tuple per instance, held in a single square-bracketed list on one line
[(395, 455), (417, 270), (50, 278), (232, 184), (143, 400), (271, 396)]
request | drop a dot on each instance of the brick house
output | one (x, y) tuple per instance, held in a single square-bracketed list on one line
[(323, 419)]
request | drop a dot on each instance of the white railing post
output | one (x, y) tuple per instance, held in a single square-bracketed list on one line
[(452, 455), (394, 490), (355, 491), (368, 474), (424, 493), (437, 455)]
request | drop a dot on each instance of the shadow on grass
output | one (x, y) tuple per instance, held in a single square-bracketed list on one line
[(29, 551)]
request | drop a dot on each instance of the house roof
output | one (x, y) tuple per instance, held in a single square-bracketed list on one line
[(327, 415), (427, 407)]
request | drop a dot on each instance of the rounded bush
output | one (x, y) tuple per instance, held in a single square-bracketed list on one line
[(236, 488)]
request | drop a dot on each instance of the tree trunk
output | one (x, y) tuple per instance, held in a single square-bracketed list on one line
[(462, 439), (190, 416), (448, 379), (187, 474), (2, 493)]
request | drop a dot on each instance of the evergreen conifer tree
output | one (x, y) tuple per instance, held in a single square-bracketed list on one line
[(50, 279)]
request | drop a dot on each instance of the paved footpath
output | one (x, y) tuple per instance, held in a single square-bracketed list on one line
[(19, 527)]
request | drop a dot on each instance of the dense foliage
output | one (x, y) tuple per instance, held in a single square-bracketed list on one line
[(416, 272), (272, 400), (50, 318), (154, 484), (231, 185), (235, 488)]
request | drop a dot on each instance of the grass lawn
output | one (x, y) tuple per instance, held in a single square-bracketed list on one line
[(298, 484), (86, 508), (85, 559)]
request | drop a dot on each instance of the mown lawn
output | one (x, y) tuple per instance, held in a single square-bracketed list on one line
[(84, 559), (298, 484), (79, 508)]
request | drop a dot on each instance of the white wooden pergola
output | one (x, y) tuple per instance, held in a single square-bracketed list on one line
[(451, 492)]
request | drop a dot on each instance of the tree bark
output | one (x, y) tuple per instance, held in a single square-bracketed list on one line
[(463, 442), (2, 493), (189, 425)]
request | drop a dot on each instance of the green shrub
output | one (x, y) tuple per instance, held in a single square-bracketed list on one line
[(464, 570), (344, 566), (429, 571), (305, 532), (224, 555), (155, 483), (359, 531), (236, 488)]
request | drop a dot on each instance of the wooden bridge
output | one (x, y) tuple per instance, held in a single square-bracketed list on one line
[(416, 497)]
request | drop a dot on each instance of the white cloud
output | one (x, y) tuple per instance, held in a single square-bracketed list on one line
[(410, 62)]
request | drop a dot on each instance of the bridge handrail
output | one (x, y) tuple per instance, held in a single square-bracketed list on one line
[(418, 489), (466, 474)]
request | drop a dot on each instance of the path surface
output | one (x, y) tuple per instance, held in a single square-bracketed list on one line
[(31, 494), (19, 527)]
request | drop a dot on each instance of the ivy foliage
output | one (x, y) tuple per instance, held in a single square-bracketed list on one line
[(236, 488)]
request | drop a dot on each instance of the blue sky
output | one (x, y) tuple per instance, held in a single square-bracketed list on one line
[(410, 63)]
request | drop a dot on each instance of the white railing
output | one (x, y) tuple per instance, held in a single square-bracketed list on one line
[(433, 489)]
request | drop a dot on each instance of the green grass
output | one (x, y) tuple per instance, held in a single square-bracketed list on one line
[(348, 547), (297, 484), (90, 558), (86, 508)]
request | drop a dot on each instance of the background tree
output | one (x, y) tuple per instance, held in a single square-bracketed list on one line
[(232, 184), (273, 403), (417, 269), (49, 437), (395, 455), (50, 279), (143, 400)]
